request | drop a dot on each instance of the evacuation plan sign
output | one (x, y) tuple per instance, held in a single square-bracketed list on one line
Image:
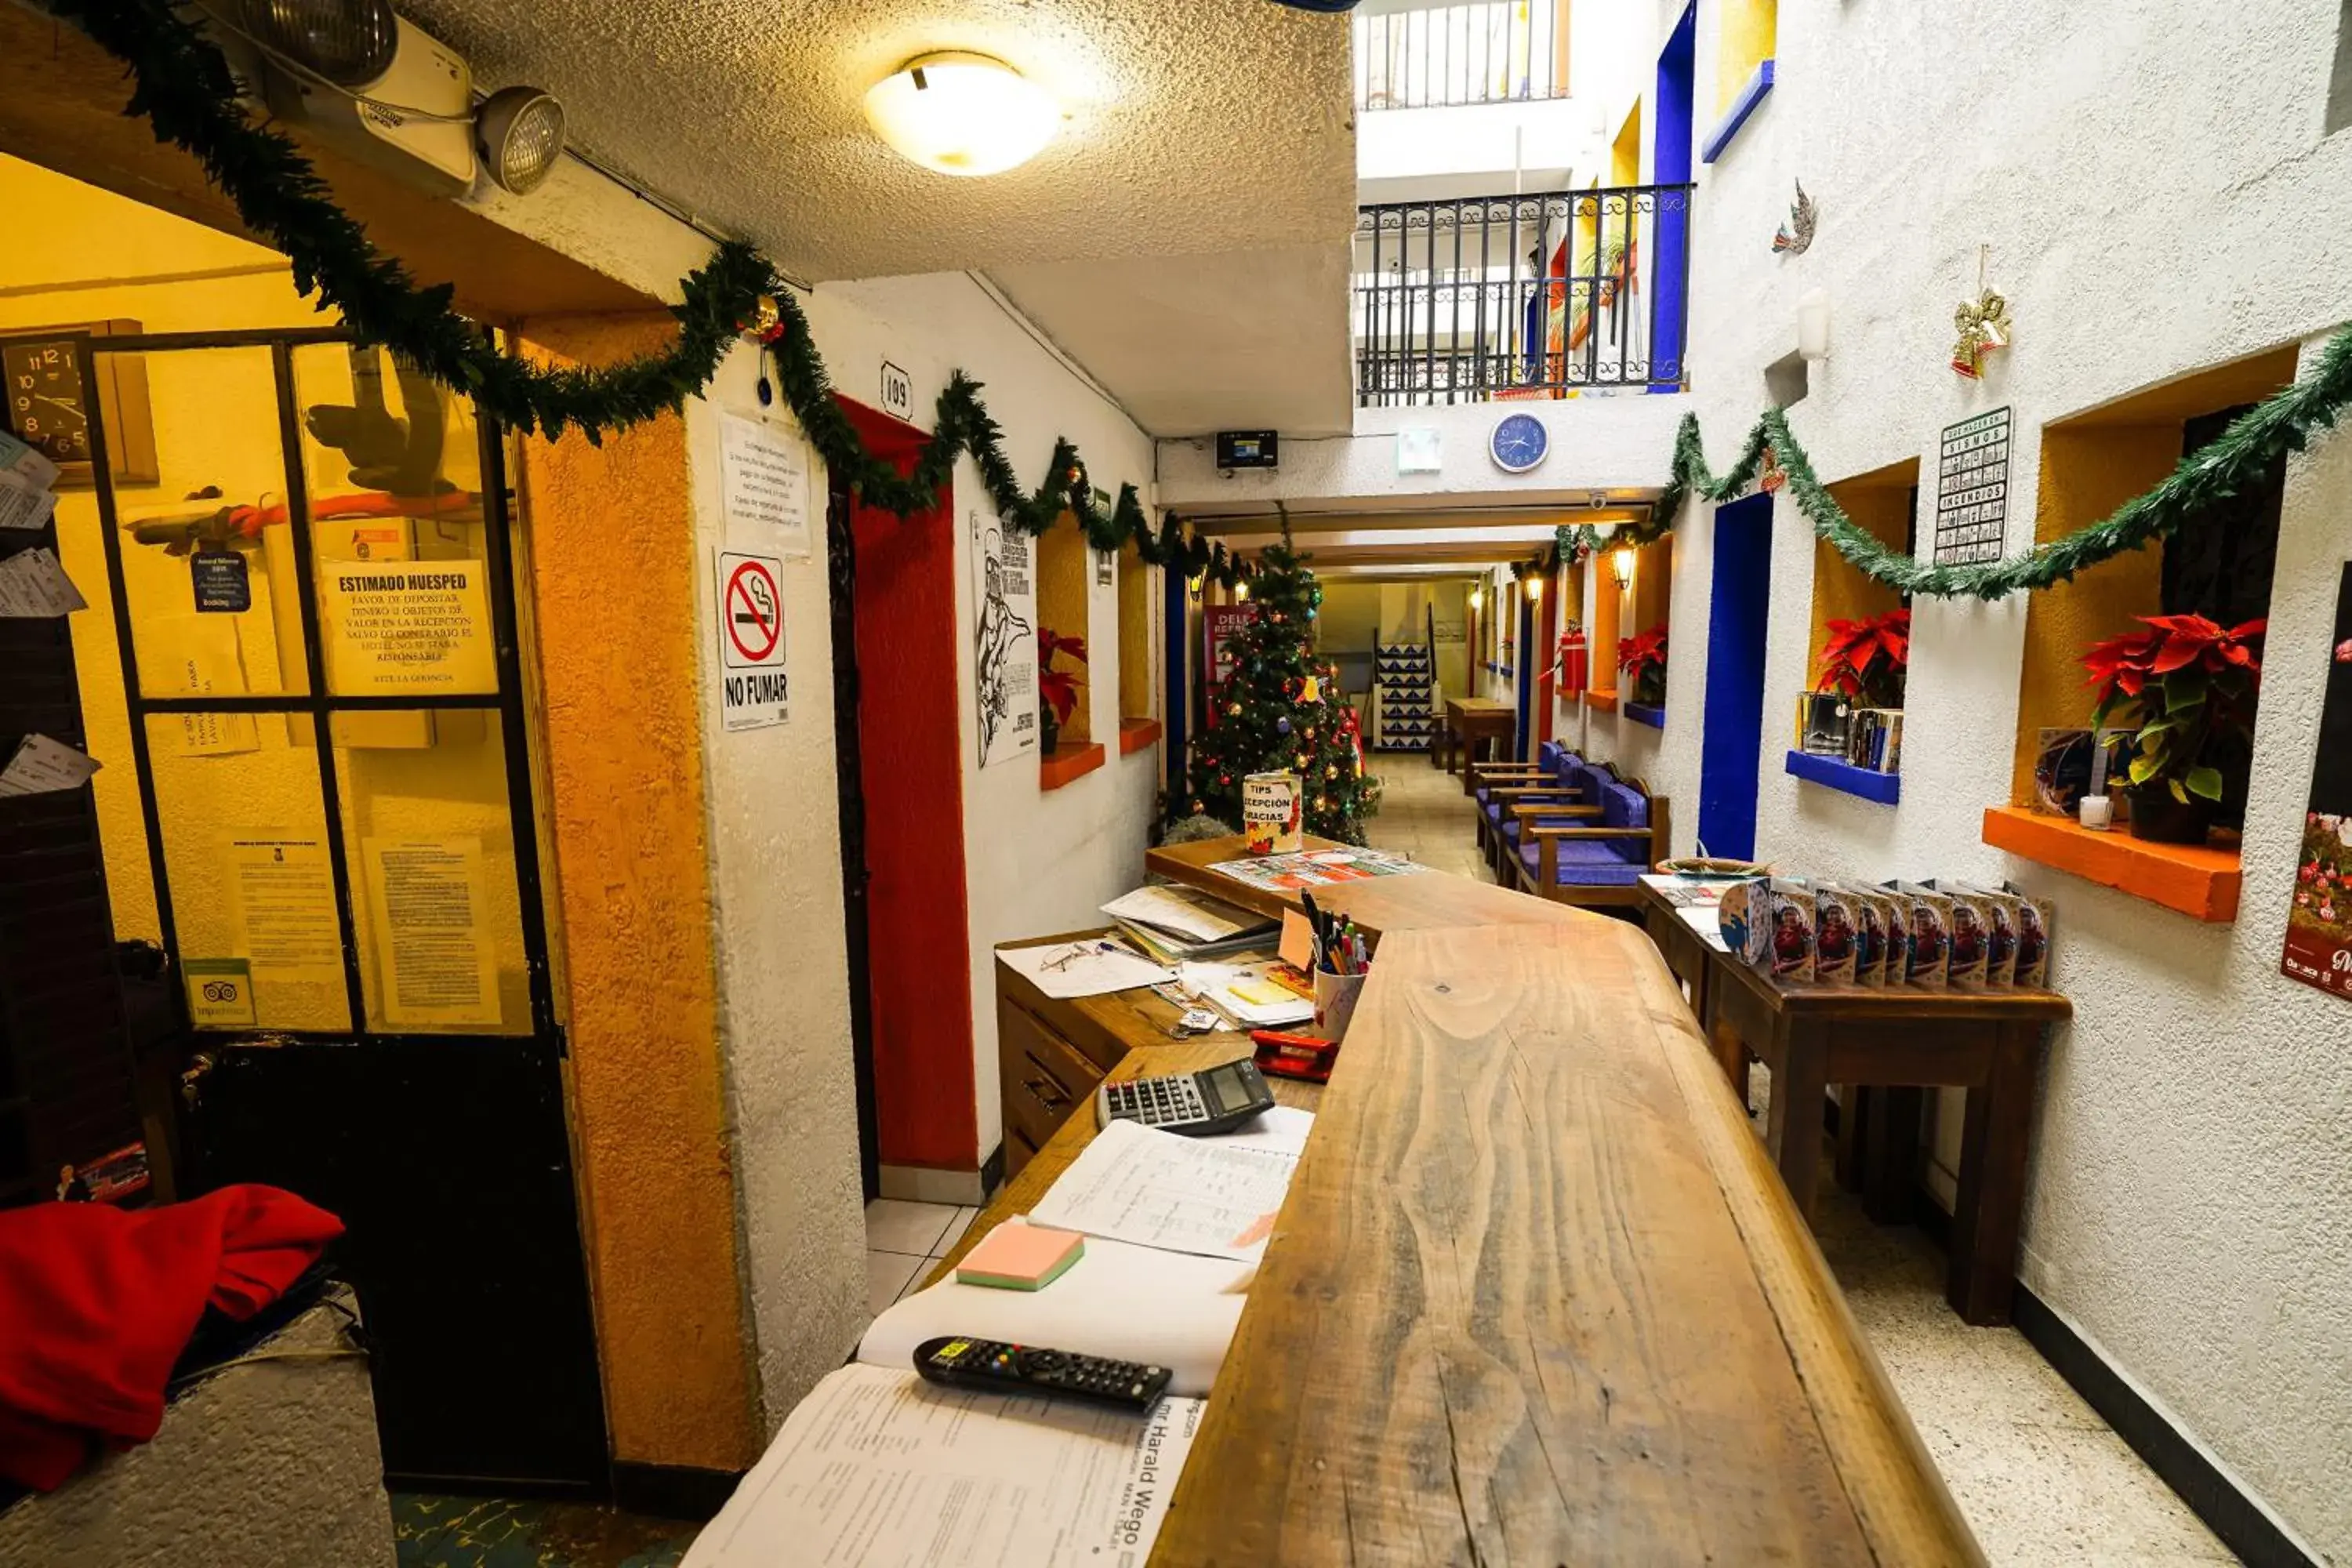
[(1972, 490), (751, 640)]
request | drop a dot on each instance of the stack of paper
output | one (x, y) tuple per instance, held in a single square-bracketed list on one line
[(26, 476), (1246, 994), (1175, 924)]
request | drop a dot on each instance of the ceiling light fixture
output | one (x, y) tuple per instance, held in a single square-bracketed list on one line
[(518, 131), (961, 113)]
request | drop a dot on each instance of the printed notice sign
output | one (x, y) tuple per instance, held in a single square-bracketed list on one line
[(44, 766), (434, 959), (1972, 490), (32, 586), (766, 472), (288, 929), (1006, 639), (396, 628), (753, 682)]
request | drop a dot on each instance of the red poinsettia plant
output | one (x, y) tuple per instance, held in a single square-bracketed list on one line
[(1642, 657), (1864, 660), (2181, 685), (1058, 687)]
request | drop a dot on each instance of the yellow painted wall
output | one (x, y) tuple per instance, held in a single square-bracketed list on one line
[(611, 533), (1653, 584), (2087, 472), (1612, 613), (1746, 38), (1840, 592), (1625, 153), (1064, 577), (1138, 695)]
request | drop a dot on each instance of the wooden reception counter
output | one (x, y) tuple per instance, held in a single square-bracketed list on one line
[(1537, 1295)]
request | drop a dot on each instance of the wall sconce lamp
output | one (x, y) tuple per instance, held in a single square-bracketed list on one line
[(1621, 566), (1240, 591), (1813, 324), (1477, 598), (1192, 585), (1535, 589)]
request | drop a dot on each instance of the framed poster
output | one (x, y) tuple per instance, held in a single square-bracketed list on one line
[(1218, 623), (1004, 638), (2319, 914)]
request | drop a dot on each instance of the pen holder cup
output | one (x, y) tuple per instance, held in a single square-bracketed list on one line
[(1335, 1002)]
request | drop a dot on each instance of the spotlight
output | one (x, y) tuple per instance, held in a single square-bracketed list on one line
[(519, 131), (348, 43)]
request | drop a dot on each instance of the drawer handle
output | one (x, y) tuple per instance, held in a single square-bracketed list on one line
[(1047, 1090)]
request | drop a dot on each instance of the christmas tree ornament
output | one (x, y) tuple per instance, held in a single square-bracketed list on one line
[(1770, 477), (1310, 689), (1982, 325), (1282, 726)]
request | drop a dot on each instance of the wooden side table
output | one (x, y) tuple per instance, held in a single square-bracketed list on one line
[(1470, 720), (1691, 958), (1986, 1042)]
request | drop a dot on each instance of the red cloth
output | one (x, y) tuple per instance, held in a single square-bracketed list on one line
[(97, 1302)]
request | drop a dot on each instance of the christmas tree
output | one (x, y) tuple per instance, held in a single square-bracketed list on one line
[(1281, 713)]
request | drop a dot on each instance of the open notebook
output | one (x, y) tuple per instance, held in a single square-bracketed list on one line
[(880, 1470)]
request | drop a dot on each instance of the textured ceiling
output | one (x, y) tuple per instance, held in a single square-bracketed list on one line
[(1193, 125), (1193, 344)]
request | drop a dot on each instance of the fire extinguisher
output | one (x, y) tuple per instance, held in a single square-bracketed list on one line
[(1571, 664)]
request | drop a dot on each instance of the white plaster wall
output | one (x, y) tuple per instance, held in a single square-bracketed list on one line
[(778, 938), (1610, 441), (2157, 198), (1035, 861)]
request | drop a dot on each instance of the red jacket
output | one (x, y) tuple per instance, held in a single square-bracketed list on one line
[(97, 1302)]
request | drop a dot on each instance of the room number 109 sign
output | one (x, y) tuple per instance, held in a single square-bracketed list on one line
[(750, 598)]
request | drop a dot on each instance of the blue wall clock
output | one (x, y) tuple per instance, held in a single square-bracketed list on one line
[(1519, 443)]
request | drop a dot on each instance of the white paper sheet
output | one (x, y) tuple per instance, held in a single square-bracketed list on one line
[(1086, 968), (1119, 1300), (1213, 1196), (1708, 920), (880, 1469), (41, 767), (32, 586), (23, 503), (1194, 916), (1268, 1005)]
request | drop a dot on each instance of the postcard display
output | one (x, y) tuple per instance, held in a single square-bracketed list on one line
[(1939, 935), (2320, 916)]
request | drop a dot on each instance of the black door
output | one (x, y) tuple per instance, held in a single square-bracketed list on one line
[(315, 611)]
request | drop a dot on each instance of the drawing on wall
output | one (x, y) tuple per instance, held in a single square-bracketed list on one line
[(1004, 638)]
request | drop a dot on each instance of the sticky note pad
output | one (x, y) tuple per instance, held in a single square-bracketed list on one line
[(1021, 1258)]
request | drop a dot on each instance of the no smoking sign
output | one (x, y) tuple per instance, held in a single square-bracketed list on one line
[(751, 640)]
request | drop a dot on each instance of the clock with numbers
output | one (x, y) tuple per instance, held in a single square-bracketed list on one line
[(1519, 443), (46, 403)]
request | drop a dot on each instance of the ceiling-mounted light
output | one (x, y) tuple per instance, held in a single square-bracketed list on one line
[(518, 131), (1621, 564), (961, 113), (345, 43)]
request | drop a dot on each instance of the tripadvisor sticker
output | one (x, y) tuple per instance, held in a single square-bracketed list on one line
[(220, 993)]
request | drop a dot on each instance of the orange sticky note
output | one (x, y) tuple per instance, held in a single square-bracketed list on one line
[(1298, 947), (1021, 1258)]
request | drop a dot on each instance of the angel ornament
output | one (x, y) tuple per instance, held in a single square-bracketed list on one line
[(1983, 326)]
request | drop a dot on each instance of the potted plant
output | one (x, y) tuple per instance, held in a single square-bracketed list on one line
[(1864, 660), (1642, 658), (2183, 687), (1057, 689)]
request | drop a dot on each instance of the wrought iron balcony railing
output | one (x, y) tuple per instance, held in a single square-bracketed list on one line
[(1478, 298), (1487, 51)]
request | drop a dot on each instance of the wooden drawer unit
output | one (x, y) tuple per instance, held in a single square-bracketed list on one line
[(1045, 1081)]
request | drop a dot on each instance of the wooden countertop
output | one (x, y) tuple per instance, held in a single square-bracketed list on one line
[(1536, 1296)]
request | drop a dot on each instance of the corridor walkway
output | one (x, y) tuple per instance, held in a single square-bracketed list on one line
[(2041, 1478)]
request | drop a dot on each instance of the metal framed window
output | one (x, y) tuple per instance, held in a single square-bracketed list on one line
[(363, 787)]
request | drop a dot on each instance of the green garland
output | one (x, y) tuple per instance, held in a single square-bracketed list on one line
[(2236, 460), (184, 87)]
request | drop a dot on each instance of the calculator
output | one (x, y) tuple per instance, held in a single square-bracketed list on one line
[(1196, 1104)]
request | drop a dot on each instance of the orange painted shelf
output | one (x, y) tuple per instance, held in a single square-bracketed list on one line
[(1134, 734), (1601, 701), (1070, 759), (2202, 881)]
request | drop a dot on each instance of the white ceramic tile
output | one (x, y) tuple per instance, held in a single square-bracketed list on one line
[(887, 1274), (894, 1224), (954, 1232)]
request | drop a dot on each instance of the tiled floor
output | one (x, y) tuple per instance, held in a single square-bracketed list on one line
[(1424, 813), (2041, 1478), (904, 1241)]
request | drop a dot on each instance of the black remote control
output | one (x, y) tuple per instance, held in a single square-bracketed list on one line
[(961, 1362)]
